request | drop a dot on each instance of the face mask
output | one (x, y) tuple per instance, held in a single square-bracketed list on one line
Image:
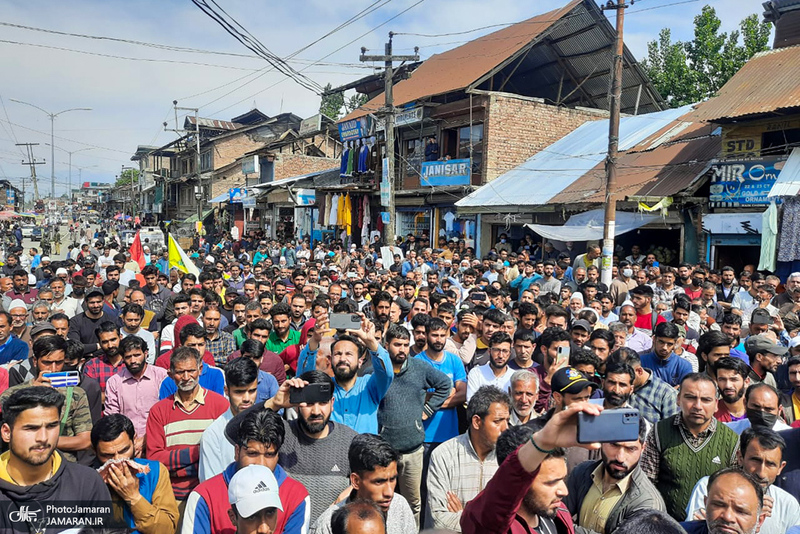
[(627, 273), (502, 240), (78, 291), (696, 282), (759, 418)]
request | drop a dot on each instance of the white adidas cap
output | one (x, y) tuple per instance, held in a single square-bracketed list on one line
[(252, 489)]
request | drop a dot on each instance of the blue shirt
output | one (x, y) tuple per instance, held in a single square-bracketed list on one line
[(444, 423), (267, 386), (357, 408), (523, 282), (210, 378), (14, 349), (672, 370)]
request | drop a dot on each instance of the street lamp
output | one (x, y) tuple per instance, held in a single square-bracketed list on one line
[(71, 152), (52, 139)]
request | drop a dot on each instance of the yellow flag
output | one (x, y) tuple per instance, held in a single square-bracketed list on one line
[(179, 259)]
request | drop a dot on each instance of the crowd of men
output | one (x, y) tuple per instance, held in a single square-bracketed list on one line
[(226, 402)]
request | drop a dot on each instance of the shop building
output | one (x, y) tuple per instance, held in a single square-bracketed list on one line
[(469, 115)]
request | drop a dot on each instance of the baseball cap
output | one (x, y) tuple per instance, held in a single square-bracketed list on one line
[(763, 343), (210, 258), (570, 380), (582, 323), (41, 328), (760, 316), (31, 279), (95, 291), (253, 488)]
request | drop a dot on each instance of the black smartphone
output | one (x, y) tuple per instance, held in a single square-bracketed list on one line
[(480, 297), (344, 321), (614, 425), (311, 393)]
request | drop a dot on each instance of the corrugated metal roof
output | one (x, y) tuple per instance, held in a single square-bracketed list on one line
[(768, 83), (554, 169), (214, 123), (458, 68), (663, 171), (788, 182)]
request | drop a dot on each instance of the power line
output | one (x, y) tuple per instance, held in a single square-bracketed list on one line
[(412, 6)]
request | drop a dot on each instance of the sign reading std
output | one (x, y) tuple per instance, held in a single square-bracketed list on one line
[(449, 172)]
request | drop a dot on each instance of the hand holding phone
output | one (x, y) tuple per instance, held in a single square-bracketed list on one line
[(311, 393), (613, 425), (65, 379), (562, 356)]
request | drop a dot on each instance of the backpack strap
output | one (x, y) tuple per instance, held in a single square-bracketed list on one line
[(67, 406)]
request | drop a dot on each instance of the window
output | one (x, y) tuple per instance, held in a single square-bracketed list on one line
[(780, 142), (206, 161), (471, 136)]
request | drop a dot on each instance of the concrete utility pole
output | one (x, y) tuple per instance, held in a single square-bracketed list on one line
[(32, 163), (609, 226), (52, 139), (389, 112)]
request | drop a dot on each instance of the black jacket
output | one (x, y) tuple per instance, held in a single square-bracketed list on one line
[(71, 484)]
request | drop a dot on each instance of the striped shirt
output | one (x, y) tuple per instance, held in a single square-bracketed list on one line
[(174, 430), (455, 466)]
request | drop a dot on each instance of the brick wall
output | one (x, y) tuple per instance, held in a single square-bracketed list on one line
[(517, 127), (286, 166), (228, 150)]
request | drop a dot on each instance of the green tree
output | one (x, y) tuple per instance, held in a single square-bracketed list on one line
[(127, 177), (354, 102), (686, 72), (331, 103)]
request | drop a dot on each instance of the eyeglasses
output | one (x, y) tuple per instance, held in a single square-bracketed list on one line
[(496, 350)]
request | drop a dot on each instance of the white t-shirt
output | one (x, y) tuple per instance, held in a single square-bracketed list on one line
[(483, 375)]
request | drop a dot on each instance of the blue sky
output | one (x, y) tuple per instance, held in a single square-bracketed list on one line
[(131, 98)]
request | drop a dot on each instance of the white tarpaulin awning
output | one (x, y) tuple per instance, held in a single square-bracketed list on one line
[(588, 226), (788, 182)]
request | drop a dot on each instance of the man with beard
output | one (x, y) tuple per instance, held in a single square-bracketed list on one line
[(760, 455), (282, 334), (83, 326), (663, 361), (315, 448), (356, 397), (552, 339), (33, 470), (732, 376), (419, 329), (20, 290), (405, 408), (765, 356), (496, 372), (155, 295), (76, 425), (461, 467), (144, 501), (174, 424), (524, 390), (131, 317), (734, 505), (682, 449), (604, 494), (133, 391), (381, 305), (109, 362), (444, 423)]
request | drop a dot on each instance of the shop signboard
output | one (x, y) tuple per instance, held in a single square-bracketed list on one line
[(352, 129), (743, 182), (10, 197), (449, 172), (235, 195), (385, 193), (250, 165), (310, 125), (306, 197), (404, 118), (248, 201)]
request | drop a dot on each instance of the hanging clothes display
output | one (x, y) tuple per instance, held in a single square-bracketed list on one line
[(347, 216), (789, 243), (365, 221), (333, 217), (362, 159), (343, 167), (340, 211), (769, 238), (351, 160)]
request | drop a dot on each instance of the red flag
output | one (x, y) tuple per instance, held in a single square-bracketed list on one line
[(137, 252)]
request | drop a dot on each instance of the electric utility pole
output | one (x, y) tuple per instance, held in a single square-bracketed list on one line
[(32, 163), (389, 111), (199, 194), (609, 226)]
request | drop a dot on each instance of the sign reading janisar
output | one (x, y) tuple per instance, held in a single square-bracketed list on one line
[(449, 172)]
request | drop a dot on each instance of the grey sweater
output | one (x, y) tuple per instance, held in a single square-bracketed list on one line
[(400, 411), (321, 465)]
